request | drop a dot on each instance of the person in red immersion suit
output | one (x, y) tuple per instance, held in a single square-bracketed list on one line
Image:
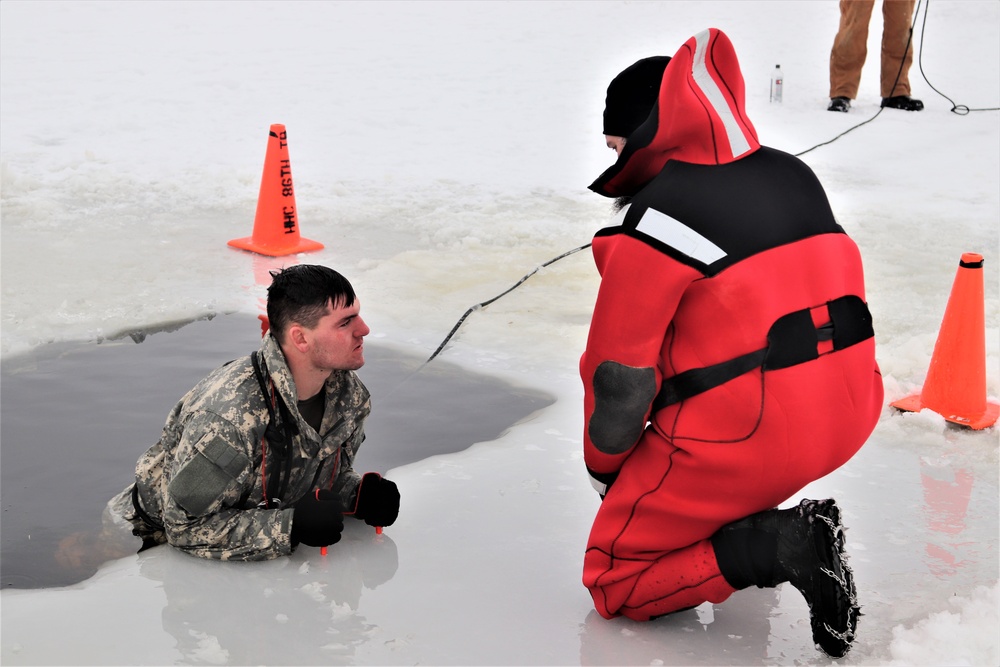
[(730, 360)]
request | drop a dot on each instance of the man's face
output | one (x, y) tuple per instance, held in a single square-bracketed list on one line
[(337, 341), (615, 143)]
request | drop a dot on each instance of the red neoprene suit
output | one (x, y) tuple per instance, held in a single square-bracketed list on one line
[(722, 238)]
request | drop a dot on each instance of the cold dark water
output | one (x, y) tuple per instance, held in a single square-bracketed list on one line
[(75, 417)]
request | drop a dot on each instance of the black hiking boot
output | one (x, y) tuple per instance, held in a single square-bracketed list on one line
[(804, 546), (839, 104), (904, 102)]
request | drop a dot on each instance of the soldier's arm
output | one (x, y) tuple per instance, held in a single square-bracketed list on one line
[(206, 483)]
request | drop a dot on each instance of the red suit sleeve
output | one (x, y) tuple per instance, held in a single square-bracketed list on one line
[(621, 368)]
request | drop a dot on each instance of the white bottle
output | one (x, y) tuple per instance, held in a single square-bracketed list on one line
[(777, 83)]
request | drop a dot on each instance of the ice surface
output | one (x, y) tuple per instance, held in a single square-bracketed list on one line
[(441, 151)]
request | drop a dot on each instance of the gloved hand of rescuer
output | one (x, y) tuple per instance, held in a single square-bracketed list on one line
[(378, 500), (318, 519)]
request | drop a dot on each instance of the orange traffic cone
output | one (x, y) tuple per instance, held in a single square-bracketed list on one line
[(955, 387), (276, 225)]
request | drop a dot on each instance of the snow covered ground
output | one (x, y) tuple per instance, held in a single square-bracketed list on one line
[(441, 151)]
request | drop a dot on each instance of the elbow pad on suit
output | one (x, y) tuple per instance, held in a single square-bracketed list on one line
[(622, 396), (207, 476)]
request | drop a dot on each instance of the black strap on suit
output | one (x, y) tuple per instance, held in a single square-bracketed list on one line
[(791, 340)]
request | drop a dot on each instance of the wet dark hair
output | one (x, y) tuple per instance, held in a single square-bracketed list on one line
[(300, 294)]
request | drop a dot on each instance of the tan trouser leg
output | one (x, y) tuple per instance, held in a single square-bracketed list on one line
[(850, 47), (896, 17)]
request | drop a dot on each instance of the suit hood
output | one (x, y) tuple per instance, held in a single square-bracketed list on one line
[(699, 117)]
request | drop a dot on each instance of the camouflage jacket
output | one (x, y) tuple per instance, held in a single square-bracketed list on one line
[(203, 480)]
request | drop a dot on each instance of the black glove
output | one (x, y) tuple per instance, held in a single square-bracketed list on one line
[(318, 519), (378, 500)]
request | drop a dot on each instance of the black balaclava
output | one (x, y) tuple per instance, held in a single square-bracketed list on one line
[(632, 94)]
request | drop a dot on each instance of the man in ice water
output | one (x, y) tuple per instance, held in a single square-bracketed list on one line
[(730, 360), (257, 457)]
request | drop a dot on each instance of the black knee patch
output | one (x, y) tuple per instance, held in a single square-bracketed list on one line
[(622, 396)]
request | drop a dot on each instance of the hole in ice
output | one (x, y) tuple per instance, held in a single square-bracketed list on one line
[(76, 417)]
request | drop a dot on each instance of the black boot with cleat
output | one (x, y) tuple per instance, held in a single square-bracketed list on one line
[(804, 546)]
